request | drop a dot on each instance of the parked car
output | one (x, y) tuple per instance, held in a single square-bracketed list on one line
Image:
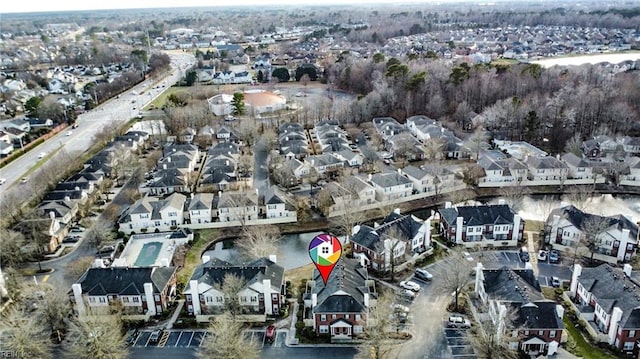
[(2, 181), (407, 294), (155, 336), (76, 229), (554, 256), (24, 180), (524, 254), (456, 321), (542, 255), (423, 274), (42, 154), (400, 308), (407, 284), (132, 336), (71, 239), (401, 317), (270, 333), (555, 282)]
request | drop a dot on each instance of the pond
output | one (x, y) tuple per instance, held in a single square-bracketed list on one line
[(293, 250)]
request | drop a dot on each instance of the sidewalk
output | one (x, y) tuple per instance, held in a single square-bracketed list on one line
[(175, 314)]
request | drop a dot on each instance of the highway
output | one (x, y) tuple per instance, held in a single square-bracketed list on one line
[(115, 110)]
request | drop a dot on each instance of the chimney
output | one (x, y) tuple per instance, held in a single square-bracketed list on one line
[(355, 230), (559, 311), (266, 291), (98, 263), (396, 211), (447, 204), (627, 269), (164, 166), (366, 300), (77, 295), (369, 177), (169, 159), (195, 297), (52, 215), (314, 300), (577, 270), (501, 201), (67, 198), (273, 258), (399, 172), (151, 303), (219, 193)]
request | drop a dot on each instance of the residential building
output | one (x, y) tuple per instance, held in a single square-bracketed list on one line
[(608, 299), (580, 168), (546, 169), (389, 244), (200, 208), (339, 307), (262, 293), (485, 225), (150, 214), (501, 170), (324, 164), (390, 186), (518, 310), (616, 237), (350, 157), (278, 204), (236, 206), (140, 290)]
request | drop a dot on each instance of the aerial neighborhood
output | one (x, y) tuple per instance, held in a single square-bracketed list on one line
[(160, 183)]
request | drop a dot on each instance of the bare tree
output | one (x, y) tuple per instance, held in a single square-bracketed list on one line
[(574, 145), (455, 276), (377, 344), (230, 287), (23, 335), (54, 308), (476, 142), (394, 240), (259, 241), (11, 248), (96, 336), (226, 340), (592, 229), (99, 233), (352, 214), (433, 149), (579, 196), (491, 341), (513, 195), (248, 132)]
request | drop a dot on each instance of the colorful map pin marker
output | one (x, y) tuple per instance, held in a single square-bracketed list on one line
[(325, 251)]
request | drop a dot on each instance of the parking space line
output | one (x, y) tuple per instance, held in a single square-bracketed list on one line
[(204, 335), (178, 341), (506, 256), (191, 339)]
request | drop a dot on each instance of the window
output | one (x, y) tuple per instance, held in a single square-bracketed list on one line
[(173, 214), (209, 299), (346, 316), (157, 298), (526, 332), (125, 299), (156, 224), (188, 297), (540, 332), (102, 299), (243, 299), (552, 334), (254, 299), (323, 317), (324, 329), (357, 329), (219, 299), (632, 333), (357, 316), (144, 215), (92, 300), (271, 206), (628, 346), (333, 316), (136, 299)]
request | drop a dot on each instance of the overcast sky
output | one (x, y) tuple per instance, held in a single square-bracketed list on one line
[(10, 6)]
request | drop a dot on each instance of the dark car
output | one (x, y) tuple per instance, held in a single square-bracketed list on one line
[(132, 336), (71, 239)]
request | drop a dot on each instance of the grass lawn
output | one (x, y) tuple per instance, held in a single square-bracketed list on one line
[(297, 275), (160, 100), (192, 258), (577, 345), (534, 226)]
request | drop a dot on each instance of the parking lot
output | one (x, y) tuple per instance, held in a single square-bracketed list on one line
[(194, 338), (458, 342)]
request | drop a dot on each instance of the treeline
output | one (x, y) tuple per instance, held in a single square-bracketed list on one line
[(520, 102)]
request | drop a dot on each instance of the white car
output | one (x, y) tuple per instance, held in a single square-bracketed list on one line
[(407, 284), (2, 181), (542, 255), (458, 322), (400, 308), (42, 154), (69, 133)]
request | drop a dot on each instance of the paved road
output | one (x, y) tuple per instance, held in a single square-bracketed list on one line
[(113, 111)]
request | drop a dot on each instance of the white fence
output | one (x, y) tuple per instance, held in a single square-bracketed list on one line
[(253, 222)]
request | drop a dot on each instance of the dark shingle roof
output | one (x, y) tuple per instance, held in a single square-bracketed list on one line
[(214, 271), (537, 315), (124, 281), (512, 285), (345, 288), (479, 215)]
